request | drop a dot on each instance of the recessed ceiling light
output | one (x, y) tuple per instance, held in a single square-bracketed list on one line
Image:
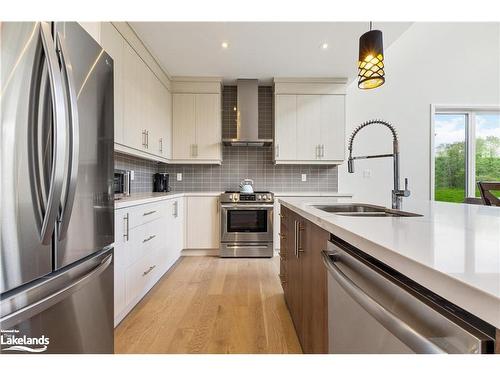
[(324, 46), (225, 45)]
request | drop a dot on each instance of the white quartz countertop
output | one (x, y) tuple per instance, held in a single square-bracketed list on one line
[(149, 197), (135, 199), (453, 249)]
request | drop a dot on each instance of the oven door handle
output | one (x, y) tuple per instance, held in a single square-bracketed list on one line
[(247, 206), (247, 245)]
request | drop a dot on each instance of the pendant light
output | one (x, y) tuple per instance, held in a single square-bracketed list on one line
[(371, 60)]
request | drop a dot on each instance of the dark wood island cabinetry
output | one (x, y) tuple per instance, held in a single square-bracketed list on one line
[(304, 279)]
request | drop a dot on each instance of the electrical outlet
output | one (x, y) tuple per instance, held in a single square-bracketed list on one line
[(304, 177), (179, 176), (132, 175), (367, 173)]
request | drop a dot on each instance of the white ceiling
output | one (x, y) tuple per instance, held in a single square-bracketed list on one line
[(260, 49)]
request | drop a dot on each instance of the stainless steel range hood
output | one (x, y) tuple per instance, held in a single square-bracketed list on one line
[(247, 117)]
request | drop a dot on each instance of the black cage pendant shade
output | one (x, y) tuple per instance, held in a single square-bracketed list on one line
[(371, 60)]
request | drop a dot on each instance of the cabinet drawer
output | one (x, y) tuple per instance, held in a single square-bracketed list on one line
[(139, 276), (144, 213)]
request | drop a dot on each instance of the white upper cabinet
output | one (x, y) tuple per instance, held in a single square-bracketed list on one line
[(143, 103), (133, 90), (308, 127), (196, 122), (208, 126), (166, 105), (309, 122), (184, 126), (285, 132), (332, 128)]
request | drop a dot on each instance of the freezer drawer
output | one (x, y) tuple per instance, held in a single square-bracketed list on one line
[(69, 312), (371, 311)]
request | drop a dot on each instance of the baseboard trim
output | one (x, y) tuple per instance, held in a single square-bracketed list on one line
[(200, 252)]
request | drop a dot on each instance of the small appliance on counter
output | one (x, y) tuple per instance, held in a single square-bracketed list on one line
[(121, 183), (160, 183), (246, 186)]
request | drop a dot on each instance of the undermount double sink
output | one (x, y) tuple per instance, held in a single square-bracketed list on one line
[(362, 210)]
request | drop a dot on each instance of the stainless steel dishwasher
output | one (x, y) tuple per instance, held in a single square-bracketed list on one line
[(374, 309)]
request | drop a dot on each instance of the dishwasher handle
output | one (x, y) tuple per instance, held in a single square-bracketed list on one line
[(391, 322)]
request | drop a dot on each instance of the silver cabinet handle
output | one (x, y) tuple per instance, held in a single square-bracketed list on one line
[(300, 228), (322, 151), (277, 151), (392, 323), (147, 138), (295, 238), (148, 213), (43, 304), (60, 135), (127, 227), (176, 209), (161, 145), (144, 138), (74, 137), (149, 270), (149, 238)]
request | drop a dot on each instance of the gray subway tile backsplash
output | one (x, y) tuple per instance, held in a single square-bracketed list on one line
[(237, 162)]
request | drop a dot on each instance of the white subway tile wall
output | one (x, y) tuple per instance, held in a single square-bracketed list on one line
[(237, 162)]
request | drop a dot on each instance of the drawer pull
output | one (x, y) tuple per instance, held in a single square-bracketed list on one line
[(126, 233), (282, 236), (149, 238), (149, 270), (148, 213), (282, 256)]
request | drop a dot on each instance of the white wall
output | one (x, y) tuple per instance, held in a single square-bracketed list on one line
[(431, 63)]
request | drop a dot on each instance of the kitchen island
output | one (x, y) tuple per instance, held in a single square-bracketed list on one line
[(453, 250)]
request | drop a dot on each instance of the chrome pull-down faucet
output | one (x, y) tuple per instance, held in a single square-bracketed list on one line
[(397, 193)]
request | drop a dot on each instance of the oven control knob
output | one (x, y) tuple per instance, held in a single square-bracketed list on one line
[(259, 197), (230, 197), (235, 198)]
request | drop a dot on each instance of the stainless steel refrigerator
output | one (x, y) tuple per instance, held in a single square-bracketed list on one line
[(56, 190)]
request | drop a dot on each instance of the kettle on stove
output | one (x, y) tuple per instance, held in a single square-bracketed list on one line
[(246, 186)]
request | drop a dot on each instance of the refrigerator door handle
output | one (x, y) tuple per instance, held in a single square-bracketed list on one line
[(59, 150), (43, 304), (74, 138)]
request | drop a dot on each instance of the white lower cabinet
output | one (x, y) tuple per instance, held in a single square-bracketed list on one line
[(202, 222), (148, 241)]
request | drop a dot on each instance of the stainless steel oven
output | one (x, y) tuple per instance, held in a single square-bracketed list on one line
[(246, 225)]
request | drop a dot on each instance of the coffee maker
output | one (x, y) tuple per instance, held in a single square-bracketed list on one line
[(160, 183)]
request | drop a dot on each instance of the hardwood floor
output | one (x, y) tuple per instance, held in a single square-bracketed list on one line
[(212, 305)]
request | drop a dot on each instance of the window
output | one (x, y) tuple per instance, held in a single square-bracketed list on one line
[(466, 150)]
